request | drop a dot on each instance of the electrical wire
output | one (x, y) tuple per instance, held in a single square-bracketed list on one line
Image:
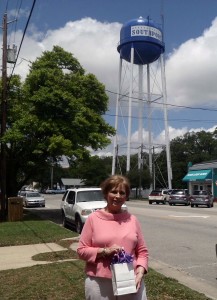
[(161, 119), (18, 11), (168, 104), (24, 33)]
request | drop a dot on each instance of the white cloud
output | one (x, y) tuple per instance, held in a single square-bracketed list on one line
[(191, 69), (13, 13), (93, 43)]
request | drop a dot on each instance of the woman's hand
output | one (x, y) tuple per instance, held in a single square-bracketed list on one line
[(109, 251), (140, 271), (113, 249)]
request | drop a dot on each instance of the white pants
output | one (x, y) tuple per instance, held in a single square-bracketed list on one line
[(97, 288)]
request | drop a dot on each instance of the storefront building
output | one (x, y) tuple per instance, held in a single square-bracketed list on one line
[(202, 176)]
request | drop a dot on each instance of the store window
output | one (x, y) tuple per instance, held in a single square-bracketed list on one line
[(197, 187)]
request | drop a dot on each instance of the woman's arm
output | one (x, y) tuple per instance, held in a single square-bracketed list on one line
[(86, 250), (140, 271)]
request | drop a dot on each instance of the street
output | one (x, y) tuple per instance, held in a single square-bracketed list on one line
[(183, 238), (180, 238)]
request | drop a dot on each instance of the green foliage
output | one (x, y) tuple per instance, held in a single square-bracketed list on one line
[(139, 177), (195, 147), (32, 232), (93, 169), (57, 111), (63, 280), (160, 287)]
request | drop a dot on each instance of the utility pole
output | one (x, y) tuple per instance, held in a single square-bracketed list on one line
[(3, 158), (51, 176), (3, 121)]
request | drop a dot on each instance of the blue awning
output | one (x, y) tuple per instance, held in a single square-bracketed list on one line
[(198, 175)]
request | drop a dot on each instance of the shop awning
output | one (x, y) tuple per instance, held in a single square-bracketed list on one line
[(198, 175)]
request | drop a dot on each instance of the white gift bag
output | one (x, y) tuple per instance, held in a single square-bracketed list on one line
[(123, 278)]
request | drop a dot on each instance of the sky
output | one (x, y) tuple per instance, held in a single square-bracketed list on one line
[(90, 30)]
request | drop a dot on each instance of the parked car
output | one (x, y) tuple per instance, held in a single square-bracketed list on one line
[(54, 191), (78, 204), (201, 198), (31, 199), (22, 192), (179, 196), (59, 191), (49, 191), (158, 196)]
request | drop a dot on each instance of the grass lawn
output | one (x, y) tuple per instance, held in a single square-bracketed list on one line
[(64, 280), (32, 230)]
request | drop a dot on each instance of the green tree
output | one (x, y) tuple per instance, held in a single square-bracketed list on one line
[(193, 147), (139, 178), (57, 111), (93, 170)]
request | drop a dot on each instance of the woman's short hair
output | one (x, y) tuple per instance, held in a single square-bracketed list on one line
[(113, 182)]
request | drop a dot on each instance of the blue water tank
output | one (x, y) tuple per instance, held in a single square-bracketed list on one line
[(146, 38)]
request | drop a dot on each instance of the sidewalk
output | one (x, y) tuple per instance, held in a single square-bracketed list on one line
[(14, 257)]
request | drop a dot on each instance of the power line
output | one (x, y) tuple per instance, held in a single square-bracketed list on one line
[(24, 33), (161, 119), (168, 104)]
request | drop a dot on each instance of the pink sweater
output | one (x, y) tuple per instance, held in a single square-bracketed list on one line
[(103, 229)]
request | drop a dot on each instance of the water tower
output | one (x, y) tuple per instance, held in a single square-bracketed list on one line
[(141, 44)]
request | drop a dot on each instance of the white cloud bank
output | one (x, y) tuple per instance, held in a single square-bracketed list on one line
[(191, 70)]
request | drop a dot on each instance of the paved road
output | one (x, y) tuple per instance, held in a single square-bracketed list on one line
[(181, 240)]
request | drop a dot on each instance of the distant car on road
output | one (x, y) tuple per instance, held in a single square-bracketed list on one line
[(31, 199), (53, 191), (201, 198), (49, 191), (179, 196), (158, 196), (22, 192), (59, 191)]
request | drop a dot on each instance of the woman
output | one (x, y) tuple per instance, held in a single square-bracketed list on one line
[(105, 233)]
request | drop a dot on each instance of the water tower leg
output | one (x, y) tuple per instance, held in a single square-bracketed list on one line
[(149, 123), (130, 109), (116, 118), (167, 140), (140, 106), (140, 130)]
